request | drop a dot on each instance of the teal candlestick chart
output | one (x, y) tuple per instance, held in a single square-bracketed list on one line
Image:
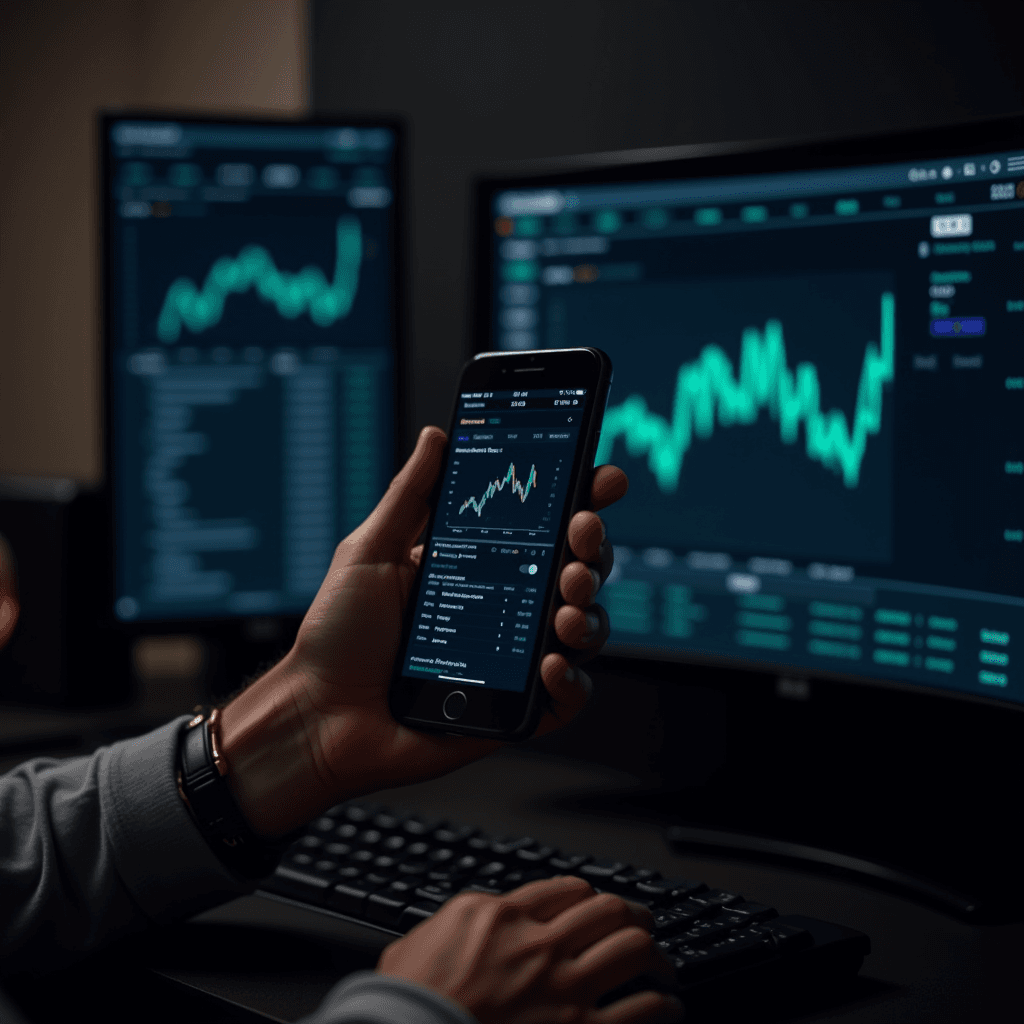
[(292, 294), (708, 386)]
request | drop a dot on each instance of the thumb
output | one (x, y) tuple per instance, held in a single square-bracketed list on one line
[(401, 514)]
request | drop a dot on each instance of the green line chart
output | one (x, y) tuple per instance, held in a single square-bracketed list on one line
[(708, 386), (498, 485), (292, 294)]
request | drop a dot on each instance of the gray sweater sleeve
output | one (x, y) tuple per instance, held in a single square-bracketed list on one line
[(95, 848)]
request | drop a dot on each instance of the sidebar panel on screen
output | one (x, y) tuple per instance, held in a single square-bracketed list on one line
[(492, 550)]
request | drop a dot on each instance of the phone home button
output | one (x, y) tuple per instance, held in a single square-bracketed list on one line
[(454, 705)]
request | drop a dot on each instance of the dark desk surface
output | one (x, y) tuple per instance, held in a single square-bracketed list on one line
[(924, 966)]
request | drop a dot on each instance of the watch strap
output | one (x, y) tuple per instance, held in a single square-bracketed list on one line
[(204, 788)]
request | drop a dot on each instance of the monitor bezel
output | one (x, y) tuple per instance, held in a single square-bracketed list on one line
[(234, 631), (729, 159)]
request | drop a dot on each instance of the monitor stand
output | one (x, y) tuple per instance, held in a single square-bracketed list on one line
[(908, 792)]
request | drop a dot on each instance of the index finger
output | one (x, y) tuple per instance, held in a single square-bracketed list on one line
[(549, 897), (608, 486)]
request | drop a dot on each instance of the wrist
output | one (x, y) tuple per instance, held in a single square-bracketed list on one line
[(265, 743)]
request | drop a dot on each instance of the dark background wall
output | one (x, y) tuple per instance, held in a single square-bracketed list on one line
[(483, 83)]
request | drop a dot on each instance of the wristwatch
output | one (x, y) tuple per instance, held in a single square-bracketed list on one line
[(203, 786)]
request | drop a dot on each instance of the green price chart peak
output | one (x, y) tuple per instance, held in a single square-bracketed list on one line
[(499, 484), (306, 291), (708, 385)]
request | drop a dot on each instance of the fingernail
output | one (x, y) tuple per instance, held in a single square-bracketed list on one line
[(592, 623), (587, 683), (596, 577)]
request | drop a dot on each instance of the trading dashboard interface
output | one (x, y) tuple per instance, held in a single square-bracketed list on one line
[(491, 552), (251, 331), (818, 398)]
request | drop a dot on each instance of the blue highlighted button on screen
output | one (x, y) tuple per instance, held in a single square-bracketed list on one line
[(950, 327)]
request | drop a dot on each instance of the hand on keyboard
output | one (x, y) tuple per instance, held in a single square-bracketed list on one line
[(317, 728), (544, 952)]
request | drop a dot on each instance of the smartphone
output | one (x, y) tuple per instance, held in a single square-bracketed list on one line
[(518, 465)]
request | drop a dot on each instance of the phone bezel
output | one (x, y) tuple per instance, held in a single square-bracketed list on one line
[(509, 714)]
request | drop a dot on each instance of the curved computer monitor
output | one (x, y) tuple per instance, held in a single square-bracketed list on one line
[(818, 393), (252, 329)]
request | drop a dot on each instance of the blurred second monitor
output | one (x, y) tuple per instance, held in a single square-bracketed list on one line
[(252, 344)]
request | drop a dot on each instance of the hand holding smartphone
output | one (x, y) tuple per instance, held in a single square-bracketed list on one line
[(518, 466)]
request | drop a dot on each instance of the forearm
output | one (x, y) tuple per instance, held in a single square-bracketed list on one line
[(95, 848), (265, 740), (370, 998)]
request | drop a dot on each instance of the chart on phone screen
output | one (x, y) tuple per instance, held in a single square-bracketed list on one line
[(506, 493), (489, 557)]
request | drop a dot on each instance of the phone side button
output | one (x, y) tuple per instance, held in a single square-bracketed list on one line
[(454, 705)]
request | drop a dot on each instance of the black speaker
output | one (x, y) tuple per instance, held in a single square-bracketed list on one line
[(60, 655)]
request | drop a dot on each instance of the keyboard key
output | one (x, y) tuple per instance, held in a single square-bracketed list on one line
[(304, 885), (413, 867), (629, 879), (421, 828), (413, 914), (714, 898), (749, 912), (441, 855), (669, 888), (361, 856), (347, 831), (466, 864), (507, 847), (324, 824), (603, 869), (705, 932), (350, 897), (383, 863), (665, 923), (337, 849), (455, 835), (537, 855), (359, 814), (384, 908), (370, 837), (387, 822), (739, 950), (327, 866), (418, 850), (394, 843), (491, 890), (310, 842), (743, 947), (435, 894), (446, 875), (568, 863), (404, 887), (301, 860), (491, 869), (691, 911), (787, 937)]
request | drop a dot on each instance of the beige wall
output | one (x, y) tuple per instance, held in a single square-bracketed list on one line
[(61, 62)]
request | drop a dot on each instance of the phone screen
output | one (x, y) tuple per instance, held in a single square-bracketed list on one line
[(491, 553)]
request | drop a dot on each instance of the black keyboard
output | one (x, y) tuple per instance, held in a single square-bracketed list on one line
[(390, 870)]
